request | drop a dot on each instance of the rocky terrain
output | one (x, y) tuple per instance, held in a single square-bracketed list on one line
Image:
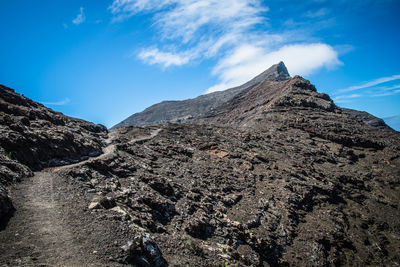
[(39, 137), (276, 176), (33, 137)]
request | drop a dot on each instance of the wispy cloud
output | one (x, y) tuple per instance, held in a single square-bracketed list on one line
[(371, 83), (346, 98), (166, 59), (58, 103), (232, 31), (80, 18), (388, 88), (369, 89), (394, 92)]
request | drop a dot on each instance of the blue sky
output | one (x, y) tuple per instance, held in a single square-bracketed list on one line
[(104, 60)]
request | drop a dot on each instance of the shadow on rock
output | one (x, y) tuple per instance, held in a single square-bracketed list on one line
[(4, 219)]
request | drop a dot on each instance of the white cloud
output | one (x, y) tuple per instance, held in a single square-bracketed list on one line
[(371, 83), (395, 92), (188, 19), (58, 103), (232, 31), (346, 98), (247, 61), (372, 89), (388, 88), (166, 59), (80, 18)]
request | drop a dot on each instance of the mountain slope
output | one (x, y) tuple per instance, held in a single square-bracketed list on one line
[(187, 110), (269, 83), (40, 137), (276, 176), (295, 104), (278, 196)]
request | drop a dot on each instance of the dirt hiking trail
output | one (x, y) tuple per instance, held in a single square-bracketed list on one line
[(51, 225), (41, 232)]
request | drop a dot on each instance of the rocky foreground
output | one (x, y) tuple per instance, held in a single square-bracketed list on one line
[(33, 137), (277, 176)]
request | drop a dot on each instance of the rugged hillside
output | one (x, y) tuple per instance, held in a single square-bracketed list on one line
[(187, 110), (40, 137), (11, 171), (276, 176), (207, 195), (294, 102), (33, 137)]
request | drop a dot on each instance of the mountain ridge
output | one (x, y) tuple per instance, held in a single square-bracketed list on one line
[(187, 110), (196, 109)]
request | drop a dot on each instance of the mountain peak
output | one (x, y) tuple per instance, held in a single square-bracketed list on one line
[(276, 72), (187, 110)]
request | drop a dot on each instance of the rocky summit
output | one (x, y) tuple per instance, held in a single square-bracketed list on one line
[(187, 110), (271, 173)]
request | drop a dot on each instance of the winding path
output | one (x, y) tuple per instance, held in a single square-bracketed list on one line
[(48, 228)]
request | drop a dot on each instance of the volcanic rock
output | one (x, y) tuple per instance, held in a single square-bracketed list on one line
[(280, 196), (275, 175), (39, 137)]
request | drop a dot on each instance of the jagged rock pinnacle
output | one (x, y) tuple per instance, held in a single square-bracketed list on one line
[(276, 72)]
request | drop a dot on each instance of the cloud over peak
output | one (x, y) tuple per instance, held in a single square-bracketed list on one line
[(234, 32), (247, 61)]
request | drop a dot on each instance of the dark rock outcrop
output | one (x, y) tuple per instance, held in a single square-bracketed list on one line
[(11, 172), (5, 204), (39, 137)]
